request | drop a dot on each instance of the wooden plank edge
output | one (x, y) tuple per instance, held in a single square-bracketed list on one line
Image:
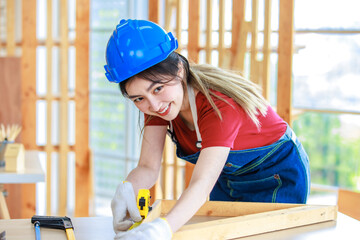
[(231, 209), (242, 226)]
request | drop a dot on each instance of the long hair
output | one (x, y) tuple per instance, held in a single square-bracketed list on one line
[(204, 77)]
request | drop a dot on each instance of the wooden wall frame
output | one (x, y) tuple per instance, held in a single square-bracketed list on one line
[(229, 220), (28, 43)]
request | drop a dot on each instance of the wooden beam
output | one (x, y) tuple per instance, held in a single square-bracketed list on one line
[(48, 147), (233, 220), (266, 50), (254, 76), (82, 153), (28, 98), (10, 28), (221, 47), (208, 46), (64, 128), (194, 31), (164, 166), (179, 23), (239, 36), (154, 10), (285, 54), (349, 202)]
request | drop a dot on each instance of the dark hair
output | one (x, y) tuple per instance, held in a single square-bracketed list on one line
[(168, 70)]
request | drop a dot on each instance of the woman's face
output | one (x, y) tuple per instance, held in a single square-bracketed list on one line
[(164, 100)]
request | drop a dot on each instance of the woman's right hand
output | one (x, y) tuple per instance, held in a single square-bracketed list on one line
[(124, 201)]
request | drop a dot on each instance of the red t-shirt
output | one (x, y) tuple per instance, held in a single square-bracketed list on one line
[(236, 130)]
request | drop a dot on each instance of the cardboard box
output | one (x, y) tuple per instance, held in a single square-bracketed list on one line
[(14, 157)]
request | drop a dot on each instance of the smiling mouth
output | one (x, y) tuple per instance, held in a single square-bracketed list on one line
[(165, 111)]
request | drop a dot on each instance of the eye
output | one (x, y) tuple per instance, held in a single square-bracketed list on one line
[(158, 89), (137, 100)]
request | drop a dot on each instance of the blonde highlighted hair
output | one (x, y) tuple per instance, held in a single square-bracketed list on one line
[(247, 94)]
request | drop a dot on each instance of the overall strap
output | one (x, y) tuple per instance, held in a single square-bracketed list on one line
[(191, 96)]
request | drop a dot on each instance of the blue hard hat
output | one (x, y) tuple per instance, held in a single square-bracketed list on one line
[(134, 46)]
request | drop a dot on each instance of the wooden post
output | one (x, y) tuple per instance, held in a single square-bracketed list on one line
[(239, 35), (82, 152), (266, 51), (28, 98), (194, 31), (254, 76), (285, 52), (10, 25), (48, 97), (179, 23), (64, 100), (221, 47), (209, 45), (154, 10)]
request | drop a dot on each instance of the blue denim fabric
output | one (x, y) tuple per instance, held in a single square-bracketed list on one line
[(275, 173)]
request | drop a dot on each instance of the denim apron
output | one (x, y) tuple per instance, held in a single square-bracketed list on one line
[(275, 173)]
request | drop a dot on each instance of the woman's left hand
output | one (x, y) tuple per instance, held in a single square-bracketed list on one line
[(159, 229)]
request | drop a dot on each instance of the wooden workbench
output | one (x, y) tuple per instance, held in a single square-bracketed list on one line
[(100, 228)]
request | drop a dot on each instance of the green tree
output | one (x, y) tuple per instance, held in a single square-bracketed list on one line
[(333, 158)]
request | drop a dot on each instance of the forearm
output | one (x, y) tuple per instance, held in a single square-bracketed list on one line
[(205, 175), (188, 204), (147, 171), (142, 177)]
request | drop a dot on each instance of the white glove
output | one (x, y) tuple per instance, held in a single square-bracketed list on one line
[(159, 229), (124, 201)]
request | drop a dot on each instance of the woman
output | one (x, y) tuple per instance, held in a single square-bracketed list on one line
[(242, 149)]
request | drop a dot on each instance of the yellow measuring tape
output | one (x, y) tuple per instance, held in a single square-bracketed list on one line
[(143, 204)]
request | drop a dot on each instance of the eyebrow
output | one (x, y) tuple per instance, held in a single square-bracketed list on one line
[(148, 89)]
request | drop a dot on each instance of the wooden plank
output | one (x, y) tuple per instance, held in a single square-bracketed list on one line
[(10, 28), (240, 219), (266, 51), (179, 24), (28, 98), (154, 10), (48, 147), (230, 209), (221, 47), (194, 31), (176, 173), (63, 151), (349, 202), (170, 7), (239, 35), (164, 167), (237, 227), (254, 38), (285, 54), (208, 46), (82, 152)]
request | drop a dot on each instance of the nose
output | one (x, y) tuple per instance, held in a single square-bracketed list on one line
[(154, 104)]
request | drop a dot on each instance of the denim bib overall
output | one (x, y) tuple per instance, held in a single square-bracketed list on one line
[(275, 173)]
